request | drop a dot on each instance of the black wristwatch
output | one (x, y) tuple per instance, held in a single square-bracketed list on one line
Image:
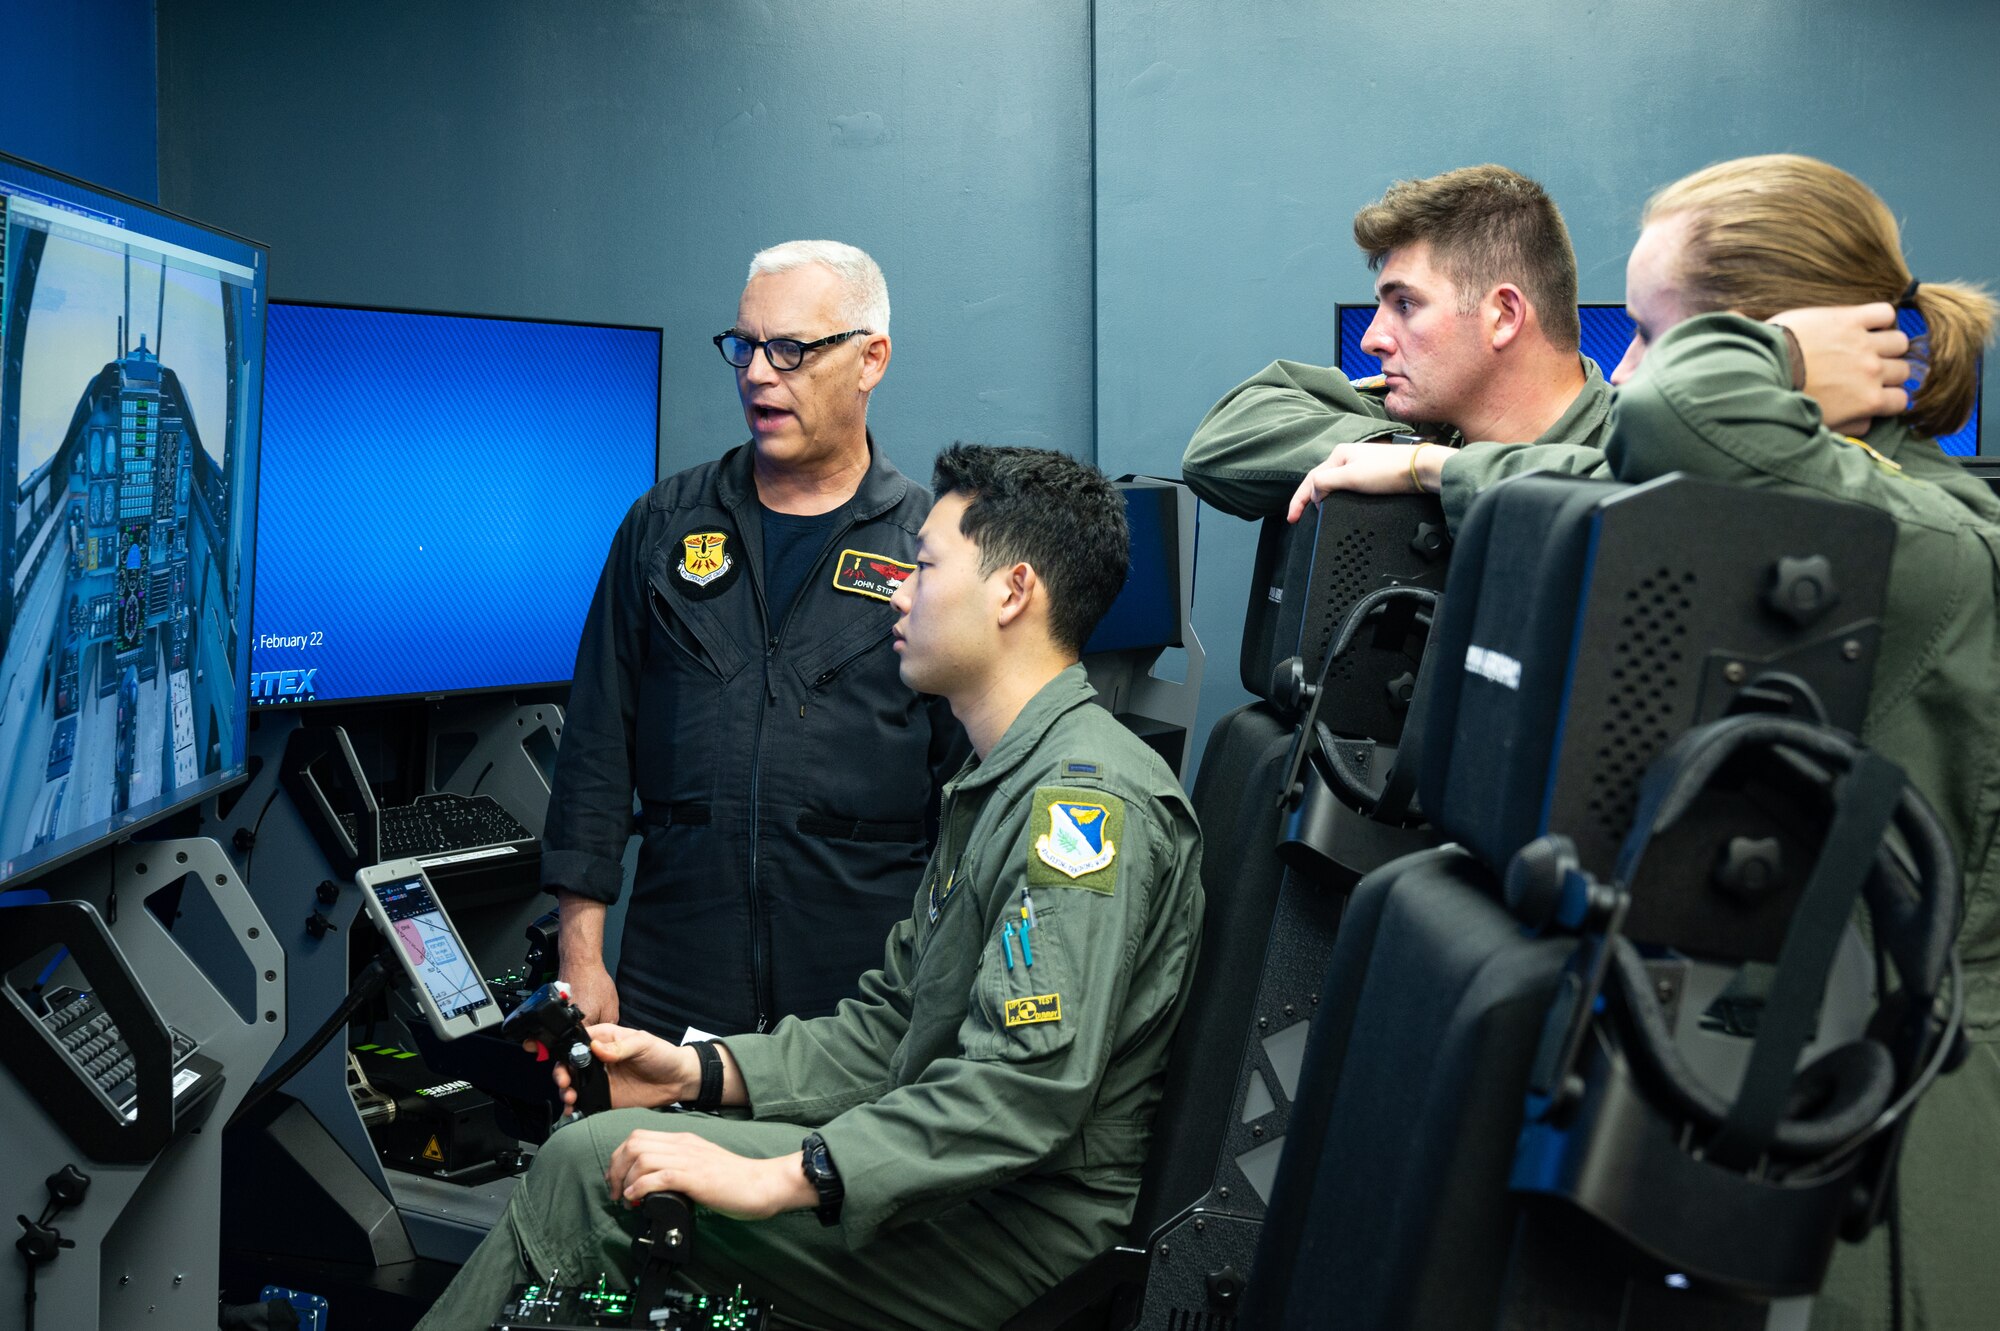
[(824, 1177)]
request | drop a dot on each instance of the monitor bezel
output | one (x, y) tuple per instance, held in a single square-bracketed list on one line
[(484, 690), (239, 772)]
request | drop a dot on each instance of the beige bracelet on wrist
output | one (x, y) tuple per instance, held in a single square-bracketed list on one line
[(1416, 484)]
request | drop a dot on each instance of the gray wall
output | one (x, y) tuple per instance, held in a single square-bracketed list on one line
[(1236, 138), (1095, 217), (621, 162)]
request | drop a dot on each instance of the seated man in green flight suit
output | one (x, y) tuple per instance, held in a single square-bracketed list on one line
[(1477, 331), (968, 1128)]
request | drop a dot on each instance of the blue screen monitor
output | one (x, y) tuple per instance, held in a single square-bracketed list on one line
[(1606, 331), (438, 495), (131, 362), (1147, 612)]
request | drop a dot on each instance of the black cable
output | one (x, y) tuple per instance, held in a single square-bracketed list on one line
[(1895, 1253), (250, 838), (30, 1312), (369, 983), (1940, 1055)]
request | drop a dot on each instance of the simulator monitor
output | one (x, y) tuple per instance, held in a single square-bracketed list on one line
[(438, 495), (131, 355), (1147, 612), (1143, 658), (1606, 331)]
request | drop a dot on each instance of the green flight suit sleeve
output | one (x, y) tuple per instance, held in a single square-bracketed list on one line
[(1470, 470), (1252, 449), (1018, 1093), (1714, 399), (807, 1071)]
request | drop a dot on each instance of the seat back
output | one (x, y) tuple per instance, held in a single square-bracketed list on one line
[(1263, 642), (1235, 798), (1588, 623), (1237, 1056), (1581, 631), (1403, 1132)]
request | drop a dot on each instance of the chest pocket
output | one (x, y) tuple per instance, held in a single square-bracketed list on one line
[(1027, 1011), (827, 662), (694, 633)]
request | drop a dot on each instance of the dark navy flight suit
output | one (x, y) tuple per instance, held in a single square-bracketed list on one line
[(787, 779)]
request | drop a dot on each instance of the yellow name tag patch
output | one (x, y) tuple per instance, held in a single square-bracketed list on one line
[(1028, 1011), (865, 574)]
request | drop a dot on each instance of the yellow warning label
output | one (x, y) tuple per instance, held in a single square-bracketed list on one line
[(432, 1151)]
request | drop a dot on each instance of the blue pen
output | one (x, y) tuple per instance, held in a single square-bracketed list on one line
[(1007, 944), (1027, 923)]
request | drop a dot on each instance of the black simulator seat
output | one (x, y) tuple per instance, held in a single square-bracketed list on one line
[(1267, 932), (1585, 628)]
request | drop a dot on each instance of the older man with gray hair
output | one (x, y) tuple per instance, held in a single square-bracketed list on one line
[(736, 675)]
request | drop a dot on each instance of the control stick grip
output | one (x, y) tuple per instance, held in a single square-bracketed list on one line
[(547, 1016)]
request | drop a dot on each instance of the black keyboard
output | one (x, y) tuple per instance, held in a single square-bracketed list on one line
[(87, 1035), (442, 822)]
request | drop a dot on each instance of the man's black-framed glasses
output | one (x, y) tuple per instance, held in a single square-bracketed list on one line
[(784, 353)]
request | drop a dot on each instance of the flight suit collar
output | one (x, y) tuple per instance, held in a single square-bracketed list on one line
[(1065, 693), (882, 486), (1585, 421), (1889, 435), (1586, 418)]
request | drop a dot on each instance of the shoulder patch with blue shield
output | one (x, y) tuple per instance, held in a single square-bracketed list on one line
[(1074, 836)]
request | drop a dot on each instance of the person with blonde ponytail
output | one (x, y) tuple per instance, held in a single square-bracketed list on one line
[(1736, 266)]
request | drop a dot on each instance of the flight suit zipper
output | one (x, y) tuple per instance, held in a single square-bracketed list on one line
[(760, 978)]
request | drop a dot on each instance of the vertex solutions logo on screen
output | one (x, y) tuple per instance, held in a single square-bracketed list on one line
[(271, 686), (282, 686)]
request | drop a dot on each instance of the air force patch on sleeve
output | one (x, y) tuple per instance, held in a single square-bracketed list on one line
[(870, 575), (1074, 838)]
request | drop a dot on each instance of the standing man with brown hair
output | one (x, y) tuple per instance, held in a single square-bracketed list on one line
[(1476, 328)]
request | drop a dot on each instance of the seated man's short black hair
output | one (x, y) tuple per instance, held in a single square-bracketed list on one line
[(1061, 516)]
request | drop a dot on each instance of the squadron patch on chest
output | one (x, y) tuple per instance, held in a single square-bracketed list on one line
[(706, 567), (1074, 838), (875, 576)]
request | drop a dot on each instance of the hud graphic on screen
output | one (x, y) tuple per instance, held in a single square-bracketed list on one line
[(130, 363), (438, 494), (1606, 331)]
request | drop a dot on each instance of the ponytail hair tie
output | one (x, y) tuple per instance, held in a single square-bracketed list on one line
[(1908, 300)]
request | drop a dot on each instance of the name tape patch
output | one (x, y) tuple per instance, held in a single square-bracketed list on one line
[(1038, 1007), (866, 574)]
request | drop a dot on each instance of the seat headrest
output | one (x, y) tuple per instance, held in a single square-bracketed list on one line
[(1309, 575), (1587, 623)]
